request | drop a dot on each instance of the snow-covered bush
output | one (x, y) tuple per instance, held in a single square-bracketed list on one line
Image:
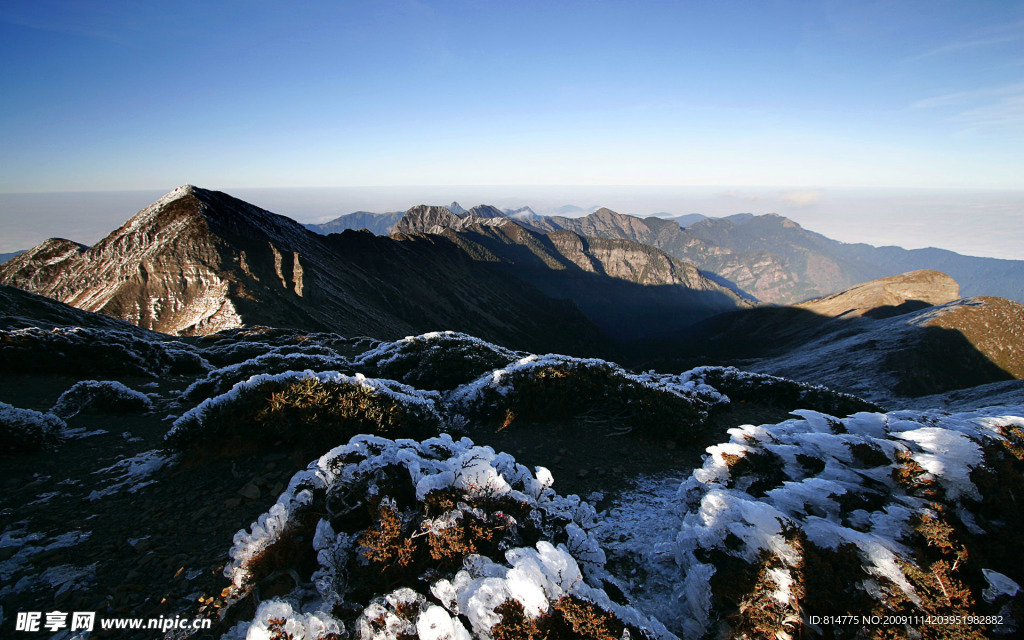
[(27, 430), (434, 539), (899, 514), (81, 350), (316, 409), (440, 360), (745, 386), (556, 387), (100, 396), (277, 360), (233, 346)]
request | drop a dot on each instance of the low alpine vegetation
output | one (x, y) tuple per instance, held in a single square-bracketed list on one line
[(24, 430), (233, 346), (65, 350), (307, 408), (100, 396), (276, 360), (441, 360), (894, 515), (435, 539), (555, 387), (745, 386)]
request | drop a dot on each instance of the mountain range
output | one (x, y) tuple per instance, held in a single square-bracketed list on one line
[(769, 256), (199, 261)]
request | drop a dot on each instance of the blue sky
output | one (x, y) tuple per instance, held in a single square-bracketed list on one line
[(148, 95)]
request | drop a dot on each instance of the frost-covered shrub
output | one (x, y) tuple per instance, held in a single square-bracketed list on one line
[(317, 409), (899, 514), (100, 396), (277, 360), (27, 430), (745, 386), (233, 346), (555, 387), (82, 350), (434, 539), (440, 360)]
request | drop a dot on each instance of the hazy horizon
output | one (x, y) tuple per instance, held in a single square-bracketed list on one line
[(986, 223)]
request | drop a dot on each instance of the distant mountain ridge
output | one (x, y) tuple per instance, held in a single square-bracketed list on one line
[(776, 260), (767, 256), (4, 257), (376, 223)]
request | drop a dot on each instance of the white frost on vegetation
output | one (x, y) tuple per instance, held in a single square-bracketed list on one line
[(88, 395), (753, 491), (998, 585), (535, 576), (400, 393), (389, 353), (502, 381), (276, 360), (26, 428)]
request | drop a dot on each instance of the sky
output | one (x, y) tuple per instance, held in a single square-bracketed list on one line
[(786, 96)]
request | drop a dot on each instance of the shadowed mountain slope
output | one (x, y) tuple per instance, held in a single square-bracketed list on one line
[(630, 289)]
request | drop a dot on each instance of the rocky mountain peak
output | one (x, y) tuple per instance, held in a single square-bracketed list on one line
[(425, 219), (486, 211)]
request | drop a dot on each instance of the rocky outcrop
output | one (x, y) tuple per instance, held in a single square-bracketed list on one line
[(427, 219), (888, 296)]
